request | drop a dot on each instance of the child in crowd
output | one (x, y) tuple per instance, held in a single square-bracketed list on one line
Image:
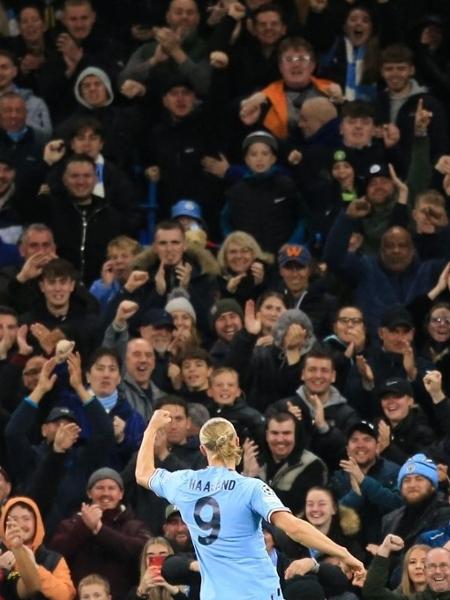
[(227, 401), (115, 271), (190, 376), (265, 202), (94, 587)]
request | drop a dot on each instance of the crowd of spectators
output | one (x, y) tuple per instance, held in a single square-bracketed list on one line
[(236, 209)]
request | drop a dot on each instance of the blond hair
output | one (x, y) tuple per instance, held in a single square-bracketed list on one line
[(92, 579), (125, 243), (156, 593), (406, 585), (219, 437), (245, 240), (431, 197)]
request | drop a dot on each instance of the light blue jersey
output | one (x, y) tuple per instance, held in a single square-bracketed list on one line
[(223, 511)]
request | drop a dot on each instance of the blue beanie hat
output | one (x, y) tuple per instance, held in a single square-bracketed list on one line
[(419, 464)]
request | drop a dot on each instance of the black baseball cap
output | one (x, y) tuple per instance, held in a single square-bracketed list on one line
[(61, 412), (363, 427)]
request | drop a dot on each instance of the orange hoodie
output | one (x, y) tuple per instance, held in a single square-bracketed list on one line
[(276, 119), (56, 584)]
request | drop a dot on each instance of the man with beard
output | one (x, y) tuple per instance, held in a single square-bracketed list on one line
[(176, 49), (176, 531), (423, 508)]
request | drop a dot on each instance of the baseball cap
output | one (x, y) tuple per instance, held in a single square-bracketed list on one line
[(396, 386), (364, 427), (186, 208), (378, 170), (61, 412), (397, 316), (171, 510), (176, 81), (294, 253), (158, 317)]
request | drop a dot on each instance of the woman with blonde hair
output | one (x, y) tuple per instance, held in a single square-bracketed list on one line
[(413, 574), (223, 511), (152, 584), (413, 582), (244, 265)]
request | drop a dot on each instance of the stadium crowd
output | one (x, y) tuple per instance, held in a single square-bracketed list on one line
[(225, 208)]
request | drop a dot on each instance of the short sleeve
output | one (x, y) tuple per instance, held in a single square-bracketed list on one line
[(264, 501), (167, 484)]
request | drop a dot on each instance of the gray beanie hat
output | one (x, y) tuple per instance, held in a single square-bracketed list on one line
[(104, 78), (179, 300), (289, 317), (104, 473)]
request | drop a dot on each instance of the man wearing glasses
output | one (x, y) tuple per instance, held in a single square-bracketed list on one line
[(277, 106)]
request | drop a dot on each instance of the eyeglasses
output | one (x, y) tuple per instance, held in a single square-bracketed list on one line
[(440, 320), (350, 320), (303, 59)]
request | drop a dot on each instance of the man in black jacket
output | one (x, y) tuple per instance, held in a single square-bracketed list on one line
[(82, 222), (399, 101), (424, 509)]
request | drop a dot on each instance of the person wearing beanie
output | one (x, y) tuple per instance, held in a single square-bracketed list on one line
[(225, 319), (424, 509), (269, 370), (265, 203), (103, 537), (104, 473), (184, 319), (179, 303)]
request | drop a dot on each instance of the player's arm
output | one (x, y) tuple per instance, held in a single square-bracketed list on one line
[(304, 533), (145, 463)]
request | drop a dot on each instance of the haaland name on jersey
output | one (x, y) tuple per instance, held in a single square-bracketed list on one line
[(211, 486)]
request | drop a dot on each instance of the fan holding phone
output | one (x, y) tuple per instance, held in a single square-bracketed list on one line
[(152, 584)]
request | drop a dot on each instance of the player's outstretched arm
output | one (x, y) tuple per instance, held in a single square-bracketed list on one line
[(145, 463), (304, 533)]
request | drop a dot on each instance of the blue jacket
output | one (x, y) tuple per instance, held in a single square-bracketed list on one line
[(375, 288), (379, 495)]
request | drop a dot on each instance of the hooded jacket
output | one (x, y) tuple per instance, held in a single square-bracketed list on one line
[(329, 443), (56, 583), (104, 78), (201, 286)]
